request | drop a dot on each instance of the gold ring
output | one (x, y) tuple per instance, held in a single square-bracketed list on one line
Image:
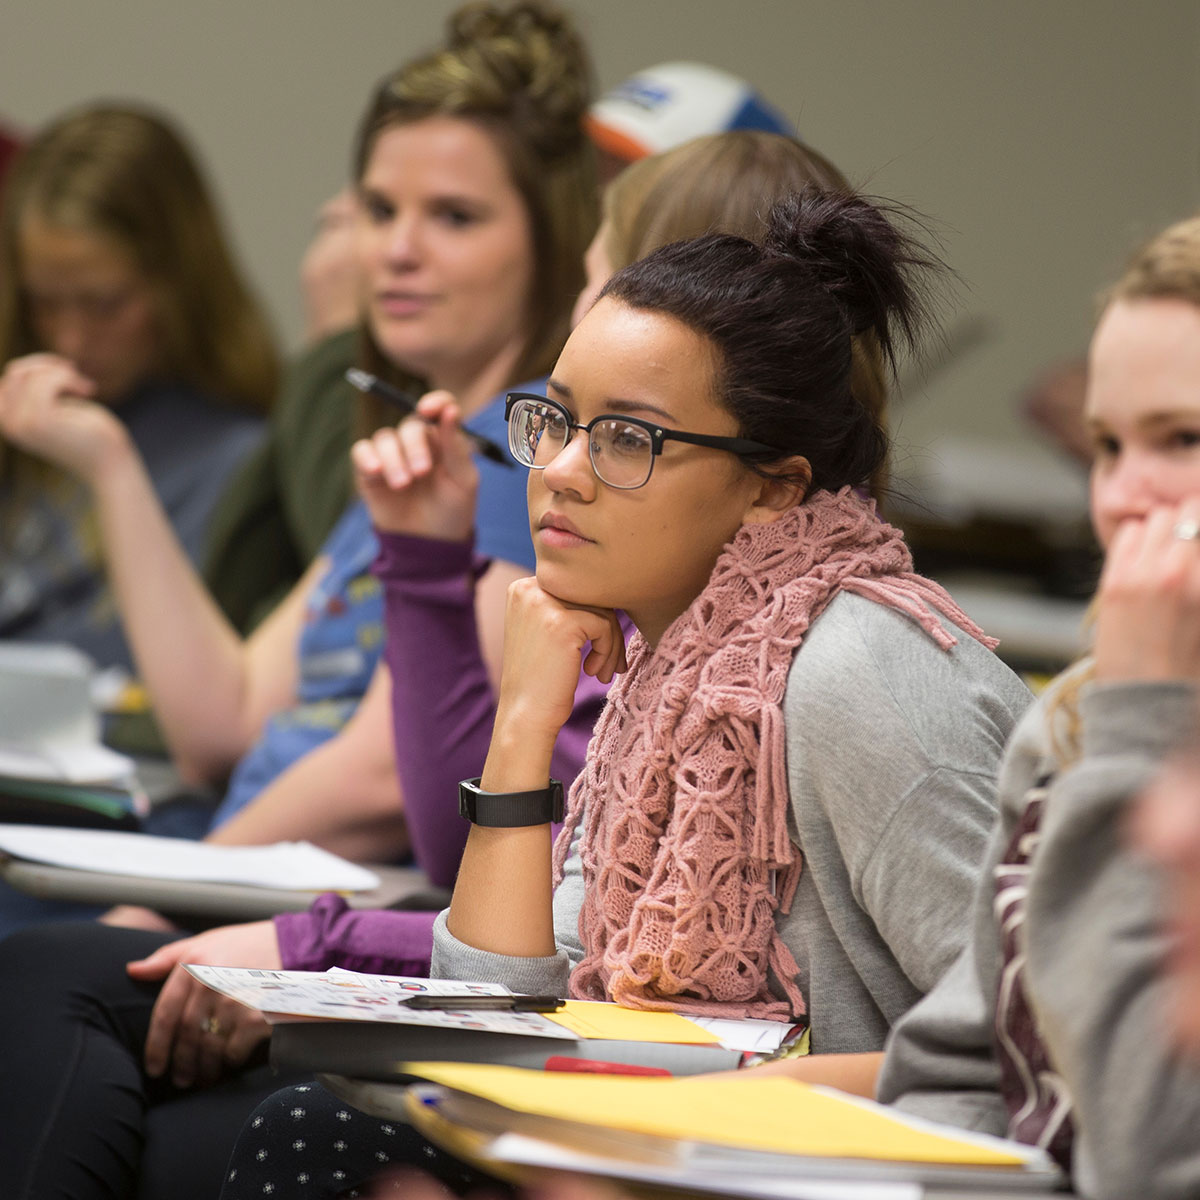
[(211, 1025)]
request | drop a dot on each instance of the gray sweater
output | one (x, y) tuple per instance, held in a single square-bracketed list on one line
[(893, 746), (1094, 949)]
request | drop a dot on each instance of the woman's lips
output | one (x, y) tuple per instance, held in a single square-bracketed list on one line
[(558, 531), (403, 304)]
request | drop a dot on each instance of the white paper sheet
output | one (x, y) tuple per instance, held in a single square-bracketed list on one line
[(79, 762), (287, 865), (516, 1148)]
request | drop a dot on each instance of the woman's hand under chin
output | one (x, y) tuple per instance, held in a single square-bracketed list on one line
[(418, 477), (543, 640), (46, 408)]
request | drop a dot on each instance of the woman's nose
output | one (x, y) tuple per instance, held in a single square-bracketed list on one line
[(66, 333), (1124, 489), (571, 468), (402, 241)]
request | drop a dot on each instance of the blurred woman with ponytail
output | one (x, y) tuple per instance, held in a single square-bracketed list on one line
[(789, 789)]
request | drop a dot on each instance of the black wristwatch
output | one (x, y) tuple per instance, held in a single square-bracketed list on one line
[(510, 810)]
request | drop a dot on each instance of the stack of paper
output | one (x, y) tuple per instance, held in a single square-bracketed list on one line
[(287, 865), (359, 1025), (738, 1133)]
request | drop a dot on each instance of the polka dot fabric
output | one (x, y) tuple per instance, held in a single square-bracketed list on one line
[(305, 1144)]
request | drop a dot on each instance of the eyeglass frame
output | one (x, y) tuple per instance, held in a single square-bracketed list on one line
[(659, 436)]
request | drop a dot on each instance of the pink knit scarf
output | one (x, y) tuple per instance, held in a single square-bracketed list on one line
[(685, 849)]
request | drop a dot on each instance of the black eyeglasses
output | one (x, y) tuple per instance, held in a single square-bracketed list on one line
[(622, 449)]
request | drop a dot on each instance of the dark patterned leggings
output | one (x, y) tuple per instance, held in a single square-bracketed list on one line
[(303, 1142)]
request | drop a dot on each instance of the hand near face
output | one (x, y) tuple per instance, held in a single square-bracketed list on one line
[(46, 408), (1148, 602), (329, 272), (418, 477), (196, 1033), (543, 640)]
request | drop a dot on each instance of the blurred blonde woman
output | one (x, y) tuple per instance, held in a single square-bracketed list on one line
[(117, 286), (1055, 1024)]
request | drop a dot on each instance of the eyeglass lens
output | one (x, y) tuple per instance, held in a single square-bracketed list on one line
[(622, 453)]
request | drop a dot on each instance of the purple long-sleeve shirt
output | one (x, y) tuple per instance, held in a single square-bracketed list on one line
[(442, 714)]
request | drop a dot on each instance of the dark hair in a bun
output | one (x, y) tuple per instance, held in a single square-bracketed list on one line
[(521, 72), (782, 316)]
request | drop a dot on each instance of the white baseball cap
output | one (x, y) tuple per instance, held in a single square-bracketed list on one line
[(666, 105)]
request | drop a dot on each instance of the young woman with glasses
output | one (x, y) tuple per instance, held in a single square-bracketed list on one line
[(787, 793)]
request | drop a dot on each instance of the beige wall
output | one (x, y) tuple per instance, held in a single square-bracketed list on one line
[(1044, 136)]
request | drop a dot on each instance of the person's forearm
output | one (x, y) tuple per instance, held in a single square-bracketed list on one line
[(187, 654), (502, 899), (855, 1073), (344, 795), (503, 895)]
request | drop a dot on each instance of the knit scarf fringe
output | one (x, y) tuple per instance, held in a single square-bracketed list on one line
[(684, 798)]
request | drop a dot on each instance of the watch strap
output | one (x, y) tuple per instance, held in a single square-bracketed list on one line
[(510, 810)]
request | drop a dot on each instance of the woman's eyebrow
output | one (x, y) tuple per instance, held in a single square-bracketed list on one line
[(614, 404), (637, 406)]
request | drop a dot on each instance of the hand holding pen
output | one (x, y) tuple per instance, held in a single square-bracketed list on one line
[(372, 385), (420, 477)]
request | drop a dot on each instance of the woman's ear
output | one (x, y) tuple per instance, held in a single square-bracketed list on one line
[(782, 489)]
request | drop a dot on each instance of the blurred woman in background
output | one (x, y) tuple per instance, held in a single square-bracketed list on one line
[(117, 287)]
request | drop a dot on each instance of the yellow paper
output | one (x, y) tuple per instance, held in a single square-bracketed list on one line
[(595, 1019), (764, 1113)]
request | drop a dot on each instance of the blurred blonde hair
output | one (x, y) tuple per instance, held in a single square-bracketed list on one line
[(125, 175), (521, 73), (727, 183), (1167, 266)]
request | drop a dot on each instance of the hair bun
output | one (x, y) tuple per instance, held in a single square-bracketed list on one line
[(526, 57), (861, 253)]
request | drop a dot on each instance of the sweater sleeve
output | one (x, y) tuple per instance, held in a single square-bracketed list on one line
[(443, 707), (332, 934), (939, 1062), (1096, 942), (453, 959), (893, 750)]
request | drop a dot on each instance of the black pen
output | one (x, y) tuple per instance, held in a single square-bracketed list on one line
[(490, 1003), (374, 386)]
